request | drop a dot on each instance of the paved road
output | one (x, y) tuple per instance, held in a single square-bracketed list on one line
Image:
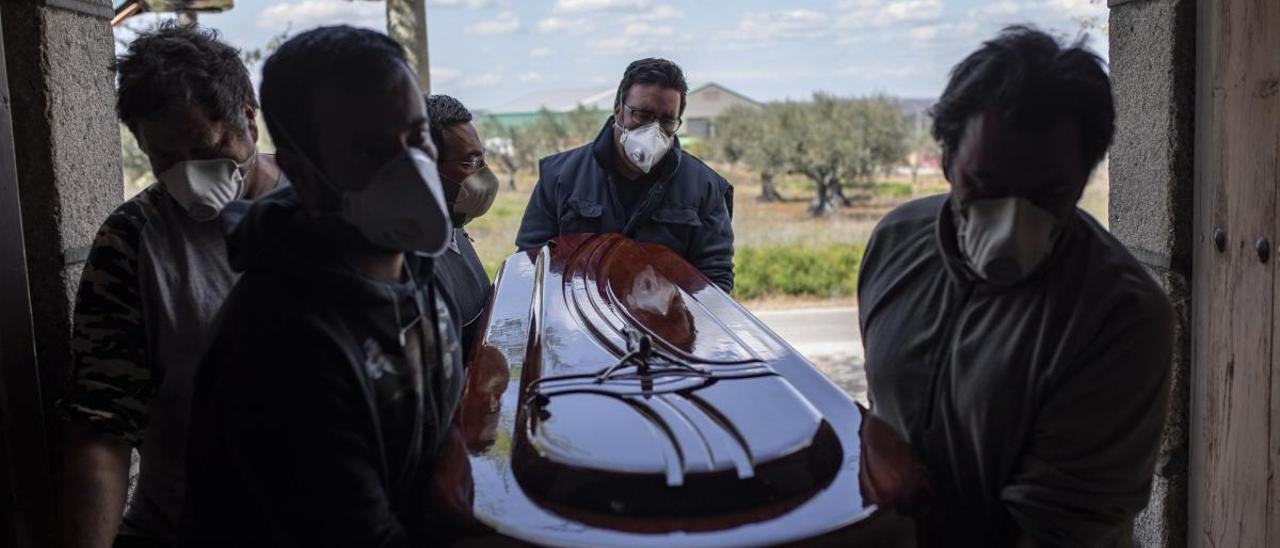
[(829, 338)]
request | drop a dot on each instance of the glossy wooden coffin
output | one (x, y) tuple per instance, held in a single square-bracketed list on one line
[(617, 397)]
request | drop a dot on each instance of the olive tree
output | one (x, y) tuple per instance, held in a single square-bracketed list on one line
[(829, 139), (756, 137), (518, 147)]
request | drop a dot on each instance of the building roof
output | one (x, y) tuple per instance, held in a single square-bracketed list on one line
[(713, 85), (711, 99)]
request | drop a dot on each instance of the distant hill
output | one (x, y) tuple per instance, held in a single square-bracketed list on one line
[(916, 106)]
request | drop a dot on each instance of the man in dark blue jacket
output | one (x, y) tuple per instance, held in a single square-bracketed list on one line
[(635, 179)]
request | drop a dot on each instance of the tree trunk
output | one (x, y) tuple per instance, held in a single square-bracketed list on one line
[(511, 171), (837, 192), (915, 173), (407, 24), (822, 204), (768, 192)]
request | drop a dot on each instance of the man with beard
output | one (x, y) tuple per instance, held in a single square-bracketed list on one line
[(634, 179)]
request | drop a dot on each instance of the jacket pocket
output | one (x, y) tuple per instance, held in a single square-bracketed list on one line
[(581, 216), (686, 216), (673, 227)]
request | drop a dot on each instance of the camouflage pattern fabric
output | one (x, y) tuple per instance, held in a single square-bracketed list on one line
[(112, 384)]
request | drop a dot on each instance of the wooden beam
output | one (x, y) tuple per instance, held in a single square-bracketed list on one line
[(1232, 500), (26, 501)]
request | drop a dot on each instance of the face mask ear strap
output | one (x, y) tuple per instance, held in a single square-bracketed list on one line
[(248, 164)]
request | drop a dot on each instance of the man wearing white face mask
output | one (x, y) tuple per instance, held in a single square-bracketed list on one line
[(321, 412), (154, 280), (635, 179), (469, 188), (1019, 347)]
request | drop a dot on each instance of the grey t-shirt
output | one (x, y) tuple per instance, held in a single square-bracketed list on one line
[(154, 281), (1036, 408)]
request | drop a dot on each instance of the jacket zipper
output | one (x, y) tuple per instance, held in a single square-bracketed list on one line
[(650, 200), (409, 472)]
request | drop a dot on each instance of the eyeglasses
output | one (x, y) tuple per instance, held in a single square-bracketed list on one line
[(645, 117), (473, 162)]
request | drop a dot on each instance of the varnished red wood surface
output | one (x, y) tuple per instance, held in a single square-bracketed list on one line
[(517, 327), (703, 425)]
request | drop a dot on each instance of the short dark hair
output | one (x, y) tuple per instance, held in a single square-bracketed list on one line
[(652, 71), (443, 112), (1031, 78), (342, 55), (176, 65)]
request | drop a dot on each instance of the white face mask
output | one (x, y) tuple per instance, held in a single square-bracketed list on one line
[(475, 196), (1006, 239), (644, 146), (204, 187), (402, 207)]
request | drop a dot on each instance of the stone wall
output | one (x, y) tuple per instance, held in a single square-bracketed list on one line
[(67, 143), (1151, 207)]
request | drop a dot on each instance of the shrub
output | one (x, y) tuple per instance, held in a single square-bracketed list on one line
[(698, 148), (830, 271), (892, 190), (794, 271)]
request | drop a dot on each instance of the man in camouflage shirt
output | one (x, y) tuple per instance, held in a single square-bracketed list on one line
[(155, 278)]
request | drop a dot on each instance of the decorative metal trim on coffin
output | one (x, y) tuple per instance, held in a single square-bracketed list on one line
[(702, 425)]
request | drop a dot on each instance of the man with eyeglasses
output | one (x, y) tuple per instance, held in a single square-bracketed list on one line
[(634, 179), (469, 189)]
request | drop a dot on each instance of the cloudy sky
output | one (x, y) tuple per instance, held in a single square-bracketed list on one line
[(487, 52)]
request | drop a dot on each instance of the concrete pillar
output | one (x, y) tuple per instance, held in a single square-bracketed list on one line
[(1151, 206), (59, 55)]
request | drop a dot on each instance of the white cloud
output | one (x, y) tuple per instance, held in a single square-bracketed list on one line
[(1078, 8), (485, 79), (997, 9), (506, 22), (879, 72), (643, 38), (661, 12), (444, 75), (582, 6), (541, 52), (759, 29), (925, 33), (310, 13), (469, 4), (641, 30), (562, 25), (529, 77), (859, 14), (761, 74), (908, 10)]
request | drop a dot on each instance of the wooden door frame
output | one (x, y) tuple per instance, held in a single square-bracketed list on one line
[(26, 494), (1235, 382)]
